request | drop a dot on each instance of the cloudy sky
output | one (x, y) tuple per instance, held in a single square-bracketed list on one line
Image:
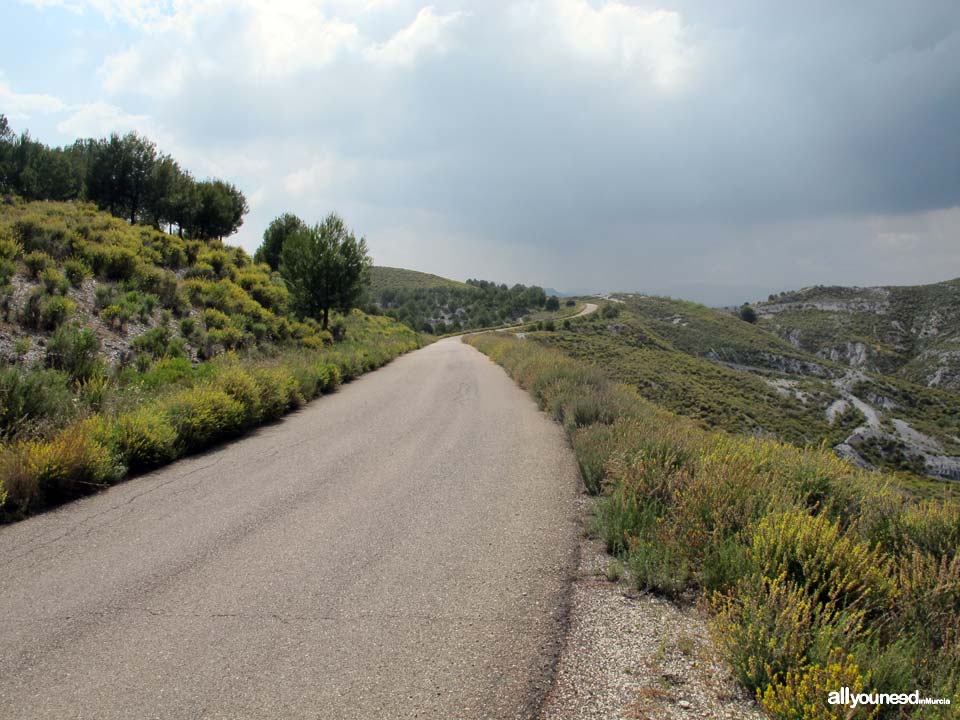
[(717, 151)]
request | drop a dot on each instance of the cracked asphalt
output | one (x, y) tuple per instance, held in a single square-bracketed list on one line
[(400, 549)]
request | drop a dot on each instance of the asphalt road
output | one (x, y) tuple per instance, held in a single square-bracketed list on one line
[(399, 549)]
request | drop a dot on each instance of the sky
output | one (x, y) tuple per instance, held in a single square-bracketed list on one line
[(713, 151)]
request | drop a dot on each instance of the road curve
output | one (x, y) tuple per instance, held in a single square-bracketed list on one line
[(399, 549), (587, 309)]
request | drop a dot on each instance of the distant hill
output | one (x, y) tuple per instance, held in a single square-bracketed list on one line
[(390, 278), (911, 332), (711, 365), (433, 304)]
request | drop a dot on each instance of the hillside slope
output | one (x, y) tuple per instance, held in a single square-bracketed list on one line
[(124, 347), (383, 279), (433, 304), (727, 373), (911, 332)]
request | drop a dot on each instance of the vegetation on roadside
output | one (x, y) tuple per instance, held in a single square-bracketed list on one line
[(818, 574), (125, 347)]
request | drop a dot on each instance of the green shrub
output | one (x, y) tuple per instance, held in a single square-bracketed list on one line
[(76, 271), (328, 377), (54, 281), (39, 473), (103, 296), (241, 386), (7, 271), (768, 627), (188, 326), (279, 391), (800, 693), (46, 235), (76, 352), (202, 416), (153, 342), (36, 263), (144, 438), (10, 249), (117, 316), (165, 373), (214, 319), (56, 311), (229, 337), (30, 396), (831, 567), (114, 263)]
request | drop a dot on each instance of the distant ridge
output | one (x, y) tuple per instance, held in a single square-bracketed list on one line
[(390, 278)]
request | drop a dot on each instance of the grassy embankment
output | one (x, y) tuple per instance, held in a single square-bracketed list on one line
[(818, 575), (129, 347)]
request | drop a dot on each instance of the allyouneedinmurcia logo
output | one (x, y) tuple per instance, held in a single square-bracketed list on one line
[(844, 696)]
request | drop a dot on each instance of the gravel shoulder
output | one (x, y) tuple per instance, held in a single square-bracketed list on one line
[(637, 656)]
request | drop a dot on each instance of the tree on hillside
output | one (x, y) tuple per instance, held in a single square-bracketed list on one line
[(326, 268), (119, 174), (553, 303), (274, 236), (747, 313), (6, 148), (165, 177), (220, 210)]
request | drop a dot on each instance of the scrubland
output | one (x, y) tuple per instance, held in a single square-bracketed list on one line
[(817, 574)]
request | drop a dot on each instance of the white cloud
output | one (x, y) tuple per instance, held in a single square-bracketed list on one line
[(649, 44), (287, 37), (319, 176), (137, 13), (21, 106), (98, 119), (429, 32)]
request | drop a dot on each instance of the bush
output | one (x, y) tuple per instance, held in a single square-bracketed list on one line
[(215, 320), (801, 692), (832, 568), (10, 249), (75, 352), (771, 626), (153, 342), (36, 263), (114, 263), (279, 392), (144, 438), (240, 385), (7, 271), (27, 397), (54, 282), (56, 311), (76, 271), (202, 416), (37, 474)]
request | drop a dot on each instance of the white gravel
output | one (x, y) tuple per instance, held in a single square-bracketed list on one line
[(638, 656)]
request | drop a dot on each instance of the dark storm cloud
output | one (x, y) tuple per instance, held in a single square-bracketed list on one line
[(686, 143)]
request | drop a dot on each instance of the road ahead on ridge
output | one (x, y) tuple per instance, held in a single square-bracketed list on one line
[(398, 549)]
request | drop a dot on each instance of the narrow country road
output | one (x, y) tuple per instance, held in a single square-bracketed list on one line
[(399, 549)]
